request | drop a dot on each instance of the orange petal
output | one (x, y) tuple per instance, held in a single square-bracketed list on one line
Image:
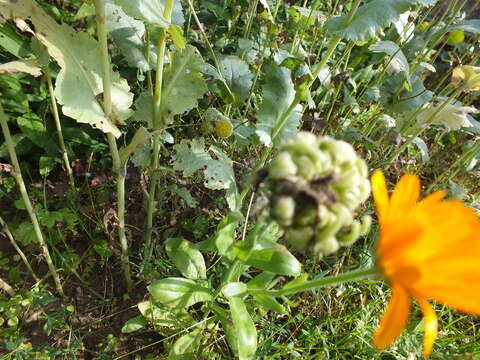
[(380, 194), (405, 195), (430, 324), (394, 319)]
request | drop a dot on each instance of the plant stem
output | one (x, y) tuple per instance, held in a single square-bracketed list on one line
[(17, 174), (322, 282), (7, 232), (8, 289), (157, 125), (56, 117), (118, 167)]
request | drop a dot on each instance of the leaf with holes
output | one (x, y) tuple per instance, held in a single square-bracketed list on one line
[(79, 81)]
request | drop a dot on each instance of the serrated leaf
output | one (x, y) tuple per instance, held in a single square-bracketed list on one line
[(369, 19), (246, 333), (30, 66), (191, 156), (278, 94), (134, 324), (152, 11), (183, 83), (79, 80), (188, 260), (179, 292), (128, 33), (141, 136), (237, 76)]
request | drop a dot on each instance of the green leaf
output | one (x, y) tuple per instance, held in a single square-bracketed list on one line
[(141, 136), (234, 289), (225, 234), (423, 149), (134, 324), (177, 36), (237, 76), (184, 194), (128, 33), (46, 165), (398, 61), (165, 317), (270, 303), (185, 347), (14, 43), (151, 11), (79, 81), (472, 25), (278, 94), (369, 19), (278, 261), (32, 126), (244, 328), (179, 292), (30, 66), (190, 156), (186, 258), (183, 83), (144, 109)]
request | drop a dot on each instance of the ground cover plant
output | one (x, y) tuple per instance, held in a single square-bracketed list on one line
[(263, 179)]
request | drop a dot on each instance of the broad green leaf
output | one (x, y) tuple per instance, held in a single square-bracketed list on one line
[(46, 164), (150, 11), (278, 94), (185, 347), (397, 62), (237, 76), (468, 76), (452, 116), (369, 19), (234, 289), (246, 333), (278, 261), (183, 83), (472, 25), (141, 136), (32, 126), (165, 317), (179, 292), (144, 109), (177, 36), (14, 43), (79, 81), (191, 156), (270, 303), (186, 258), (225, 234), (14, 99), (128, 33), (134, 324), (26, 66)]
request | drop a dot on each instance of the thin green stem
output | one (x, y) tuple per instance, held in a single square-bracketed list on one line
[(10, 237), (118, 167), (157, 125), (319, 283), (17, 174), (56, 118)]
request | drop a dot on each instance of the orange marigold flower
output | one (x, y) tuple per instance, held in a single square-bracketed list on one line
[(428, 249)]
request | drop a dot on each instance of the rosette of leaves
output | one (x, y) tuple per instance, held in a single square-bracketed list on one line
[(315, 186)]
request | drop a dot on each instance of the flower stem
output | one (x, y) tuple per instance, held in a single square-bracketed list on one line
[(56, 118), (17, 174), (322, 282), (118, 167), (157, 125)]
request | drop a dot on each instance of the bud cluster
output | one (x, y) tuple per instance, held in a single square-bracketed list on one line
[(316, 184)]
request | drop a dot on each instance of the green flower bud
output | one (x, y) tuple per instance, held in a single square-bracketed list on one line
[(306, 216), (283, 210), (327, 246), (306, 168), (282, 166), (299, 237)]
